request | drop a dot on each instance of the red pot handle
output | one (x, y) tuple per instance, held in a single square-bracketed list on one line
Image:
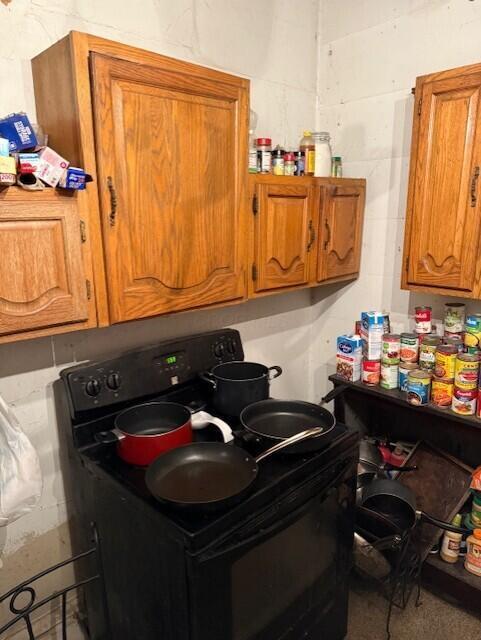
[(109, 437)]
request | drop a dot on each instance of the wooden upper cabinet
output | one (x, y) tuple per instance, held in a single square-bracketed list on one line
[(340, 234), (443, 216), (284, 234), (171, 157), (43, 283)]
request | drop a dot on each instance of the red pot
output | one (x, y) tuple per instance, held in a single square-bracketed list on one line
[(147, 430)]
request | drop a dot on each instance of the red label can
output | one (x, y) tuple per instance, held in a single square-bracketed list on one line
[(423, 319), (371, 372)]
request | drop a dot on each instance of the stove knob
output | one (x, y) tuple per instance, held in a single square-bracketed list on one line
[(113, 381), (219, 350), (231, 347), (92, 388)]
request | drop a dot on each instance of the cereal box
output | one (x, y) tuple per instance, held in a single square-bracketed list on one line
[(349, 356)]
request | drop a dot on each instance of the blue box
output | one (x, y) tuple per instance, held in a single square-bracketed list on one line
[(73, 178), (19, 132), (4, 147)]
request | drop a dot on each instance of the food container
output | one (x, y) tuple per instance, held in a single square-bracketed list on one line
[(427, 352), (371, 372), (454, 317), (473, 555), (404, 369), (445, 361), (419, 385), (472, 329), (372, 330), (466, 371), (442, 392), (476, 510), (409, 351), (349, 356), (16, 128), (389, 376), (455, 340), (391, 346), (464, 401), (422, 319)]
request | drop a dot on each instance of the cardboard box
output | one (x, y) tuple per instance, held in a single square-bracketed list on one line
[(73, 178), (8, 165), (349, 357), (28, 162), (19, 132), (4, 147), (372, 329), (51, 166)]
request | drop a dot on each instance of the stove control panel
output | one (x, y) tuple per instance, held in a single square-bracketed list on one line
[(149, 370)]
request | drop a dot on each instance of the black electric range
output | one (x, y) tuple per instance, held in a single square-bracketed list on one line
[(273, 566)]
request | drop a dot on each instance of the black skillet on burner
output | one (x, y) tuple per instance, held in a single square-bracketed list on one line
[(275, 420), (209, 475)]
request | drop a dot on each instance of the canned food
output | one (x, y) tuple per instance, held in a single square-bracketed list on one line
[(422, 318), (404, 369), (389, 376), (473, 351), (427, 352), (466, 371), (472, 328), (464, 401), (371, 372), (455, 341), (391, 346), (419, 384), (409, 351), (445, 361), (442, 392), (454, 317), (479, 404)]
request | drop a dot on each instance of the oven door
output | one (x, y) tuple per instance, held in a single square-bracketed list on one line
[(284, 572)]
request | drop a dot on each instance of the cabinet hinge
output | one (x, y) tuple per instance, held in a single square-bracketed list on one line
[(255, 206), (254, 272), (420, 104), (88, 286), (83, 231)]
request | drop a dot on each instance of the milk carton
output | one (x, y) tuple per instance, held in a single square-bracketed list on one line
[(372, 329), (348, 357)]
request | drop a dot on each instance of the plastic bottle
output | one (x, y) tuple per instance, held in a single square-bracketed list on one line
[(323, 154), (264, 157), (473, 556), (452, 542), (307, 146), (336, 167), (289, 164), (252, 152), (278, 161)]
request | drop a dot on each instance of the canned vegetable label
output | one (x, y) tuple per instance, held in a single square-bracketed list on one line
[(391, 345), (419, 383), (445, 361), (389, 376), (442, 392), (404, 370), (409, 351), (454, 317), (472, 330), (466, 371), (427, 353), (464, 401)]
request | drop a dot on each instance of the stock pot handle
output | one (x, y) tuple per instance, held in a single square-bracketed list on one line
[(277, 370), (208, 377)]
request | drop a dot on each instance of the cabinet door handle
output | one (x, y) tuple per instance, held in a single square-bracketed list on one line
[(113, 201), (474, 183), (312, 236), (328, 231)]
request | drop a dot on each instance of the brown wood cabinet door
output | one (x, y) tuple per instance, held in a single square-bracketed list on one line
[(171, 151), (284, 236), (443, 222), (42, 281), (340, 234)]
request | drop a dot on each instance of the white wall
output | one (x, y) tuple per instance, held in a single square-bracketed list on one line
[(273, 42), (369, 56)]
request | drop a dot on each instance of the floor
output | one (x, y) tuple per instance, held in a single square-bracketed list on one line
[(435, 619)]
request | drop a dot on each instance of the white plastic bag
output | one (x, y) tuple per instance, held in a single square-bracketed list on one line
[(20, 474)]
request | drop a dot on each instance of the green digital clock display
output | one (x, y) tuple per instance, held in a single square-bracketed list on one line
[(171, 359)]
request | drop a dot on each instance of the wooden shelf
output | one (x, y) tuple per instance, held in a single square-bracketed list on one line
[(399, 398)]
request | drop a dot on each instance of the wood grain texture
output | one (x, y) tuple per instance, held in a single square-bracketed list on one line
[(441, 243), (42, 283), (173, 147), (340, 233)]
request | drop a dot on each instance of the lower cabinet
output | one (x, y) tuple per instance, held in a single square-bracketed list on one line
[(43, 285), (305, 231)]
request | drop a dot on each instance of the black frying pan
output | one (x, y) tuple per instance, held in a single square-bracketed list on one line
[(275, 420), (209, 475)]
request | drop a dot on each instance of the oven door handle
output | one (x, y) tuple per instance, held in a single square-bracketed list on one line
[(262, 534)]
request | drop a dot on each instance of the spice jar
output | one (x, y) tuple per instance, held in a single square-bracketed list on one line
[(323, 154), (278, 161), (336, 167), (473, 556), (264, 158), (289, 164), (307, 147), (299, 161)]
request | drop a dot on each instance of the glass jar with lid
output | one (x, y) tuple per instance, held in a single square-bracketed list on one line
[(322, 154)]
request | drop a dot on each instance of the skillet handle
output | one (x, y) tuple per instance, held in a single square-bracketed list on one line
[(425, 517), (298, 437), (333, 393), (108, 437), (208, 377), (277, 372)]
